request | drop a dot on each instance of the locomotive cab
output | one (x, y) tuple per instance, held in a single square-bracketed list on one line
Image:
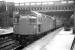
[(27, 24), (33, 23)]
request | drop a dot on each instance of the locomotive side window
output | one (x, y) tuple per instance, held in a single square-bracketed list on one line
[(16, 19), (33, 20)]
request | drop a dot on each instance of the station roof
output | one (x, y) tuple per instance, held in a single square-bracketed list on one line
[(22, 1)]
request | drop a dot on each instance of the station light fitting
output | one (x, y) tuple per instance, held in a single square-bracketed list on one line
[(50, 2), (1, 0), (54, 0), (33, 4), (27, 3), (16, 4), (21, 4), (38, 3), (70, 1), (8, 0), (44, 3), (63, 2)]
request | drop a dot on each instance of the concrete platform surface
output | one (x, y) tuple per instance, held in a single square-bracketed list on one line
[(6, 31), (57, 40)]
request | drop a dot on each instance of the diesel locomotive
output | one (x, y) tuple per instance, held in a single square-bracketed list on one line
[(33, 23)]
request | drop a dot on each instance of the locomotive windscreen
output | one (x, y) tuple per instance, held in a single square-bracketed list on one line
[(26, 12)]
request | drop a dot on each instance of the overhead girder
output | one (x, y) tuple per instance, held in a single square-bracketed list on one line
[(55, 8), (74, 19), (59, 13)]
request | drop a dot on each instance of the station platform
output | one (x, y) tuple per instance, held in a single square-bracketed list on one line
[(6, 31), (57, 40)]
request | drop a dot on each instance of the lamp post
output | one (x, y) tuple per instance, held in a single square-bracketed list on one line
[(5, 4)]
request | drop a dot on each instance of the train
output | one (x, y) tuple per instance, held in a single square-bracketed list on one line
[(34, 23)]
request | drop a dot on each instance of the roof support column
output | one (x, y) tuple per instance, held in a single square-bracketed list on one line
[(74, 19)]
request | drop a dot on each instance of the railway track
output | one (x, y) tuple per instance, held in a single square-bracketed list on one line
[(17, 41), (8, 43)]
